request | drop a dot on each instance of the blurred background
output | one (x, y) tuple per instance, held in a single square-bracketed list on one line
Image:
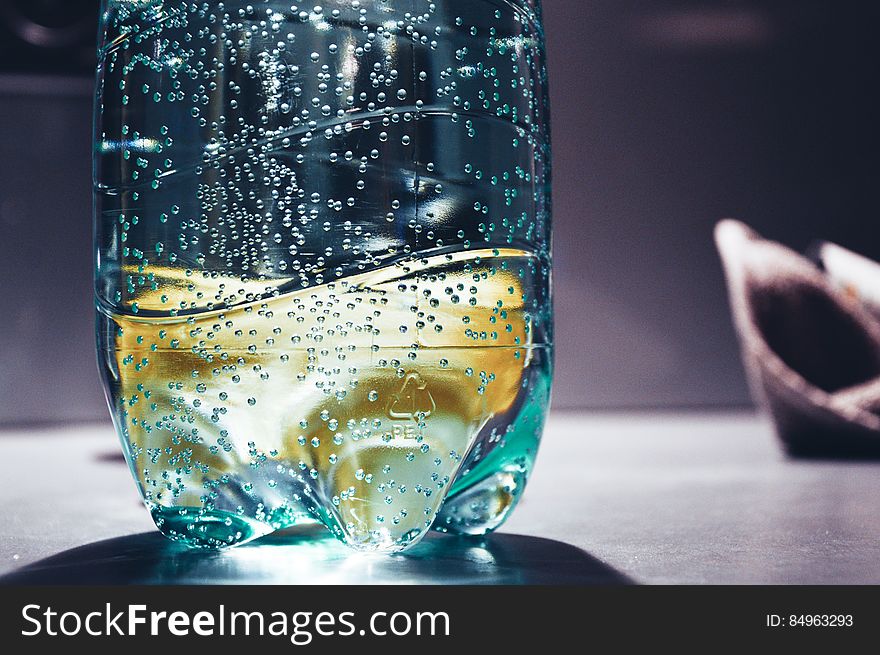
[(667, 116)]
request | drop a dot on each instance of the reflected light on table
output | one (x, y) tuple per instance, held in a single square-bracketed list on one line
[(309, 555)]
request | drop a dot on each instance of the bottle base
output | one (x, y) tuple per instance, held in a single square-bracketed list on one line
[(207, 529), (483, 507), (477, 511)]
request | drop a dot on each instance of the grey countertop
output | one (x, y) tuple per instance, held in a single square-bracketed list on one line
[(649, 498)]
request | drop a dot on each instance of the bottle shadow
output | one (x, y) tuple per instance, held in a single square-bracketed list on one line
[(310, 555)]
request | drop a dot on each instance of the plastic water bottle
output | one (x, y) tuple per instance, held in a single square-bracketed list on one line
[(323, 262)]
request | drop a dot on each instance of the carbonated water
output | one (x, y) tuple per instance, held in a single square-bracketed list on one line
[(323, 262)]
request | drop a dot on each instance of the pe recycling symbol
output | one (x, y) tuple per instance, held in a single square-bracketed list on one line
[(413, 400)]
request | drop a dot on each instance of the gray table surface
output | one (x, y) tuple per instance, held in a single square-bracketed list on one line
[(648, 498)]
